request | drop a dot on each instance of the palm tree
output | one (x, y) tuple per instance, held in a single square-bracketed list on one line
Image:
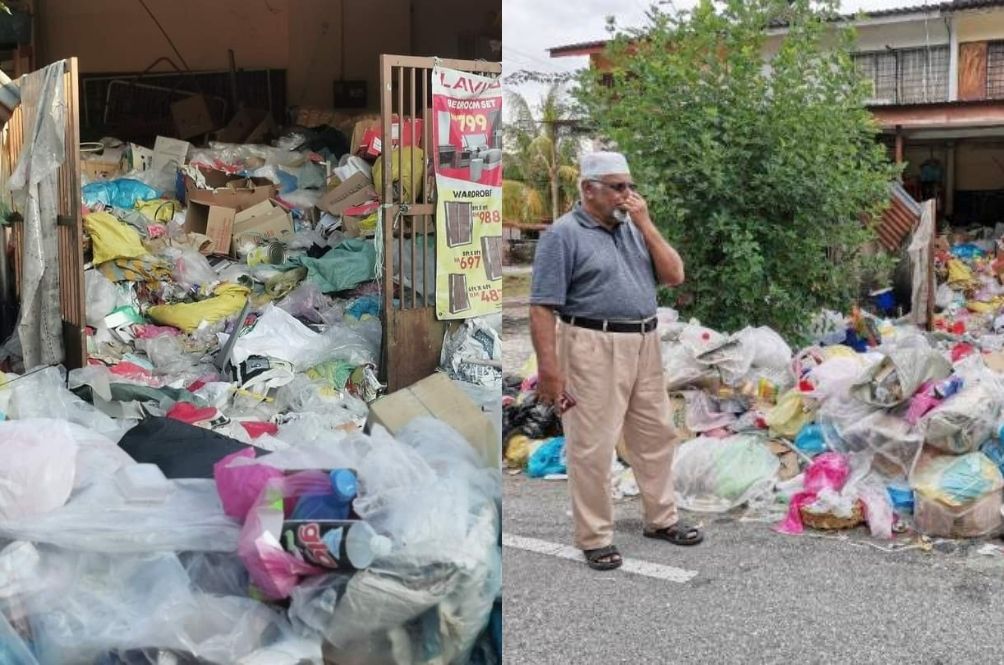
[(540, 158)]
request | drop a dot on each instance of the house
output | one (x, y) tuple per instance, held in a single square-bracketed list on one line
[(937, 75)]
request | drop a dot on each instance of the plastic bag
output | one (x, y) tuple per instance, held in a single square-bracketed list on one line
[(810, 440), (307, 302), (43, 394), (548, 459), (407, 172), (965, 421), (828, 472), (852, 426), (37, 465), (680, 367), (97, 604), (274, 571), (791, 413), (769, 348), (275, 334), (469, 352), (955, 480), (99, 518), (111, 239), (703, 412), (227, 301), (716, 475), (102, 296), (899, 375), (118, 193), (191, 269)]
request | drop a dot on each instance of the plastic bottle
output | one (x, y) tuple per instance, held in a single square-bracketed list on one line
[(336, 505), (948, 387), (335, 544), (356, 544)]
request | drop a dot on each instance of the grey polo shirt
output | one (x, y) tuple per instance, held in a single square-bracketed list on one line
[(584, 269)]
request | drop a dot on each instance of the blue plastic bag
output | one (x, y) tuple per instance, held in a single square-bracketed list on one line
[(967, 251), (549, 458), (119, 193), (810, 440)]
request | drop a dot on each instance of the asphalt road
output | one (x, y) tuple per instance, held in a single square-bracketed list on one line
[(757, 596), (752, 595)]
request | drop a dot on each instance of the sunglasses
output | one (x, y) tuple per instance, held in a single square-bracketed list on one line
[(619, 187)]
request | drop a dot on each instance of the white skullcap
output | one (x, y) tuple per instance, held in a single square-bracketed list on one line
[(596, 164)]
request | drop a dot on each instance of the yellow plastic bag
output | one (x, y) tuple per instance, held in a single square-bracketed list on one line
[(789, 416), (160, 210), (959, 274), (228, 299), (111, 239), (414, 175), (519, 449)]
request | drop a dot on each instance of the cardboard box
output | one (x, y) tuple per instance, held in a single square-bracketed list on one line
[(248, 126), (213, 212), (94, 169), (192, 117), (229, 191), (355, 191), (353, 218), (436, 396), (366, 135), (363, 124), (262, 221), (167, 150)]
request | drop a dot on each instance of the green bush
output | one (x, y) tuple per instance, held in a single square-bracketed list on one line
[(759, 175)]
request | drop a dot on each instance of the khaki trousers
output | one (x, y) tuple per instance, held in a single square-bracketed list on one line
[(617, 382)]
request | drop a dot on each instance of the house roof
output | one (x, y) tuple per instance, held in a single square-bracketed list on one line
[(587, 48)]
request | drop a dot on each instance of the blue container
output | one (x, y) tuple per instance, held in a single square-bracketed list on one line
[(884, 300), (901, 497), (337, 505)]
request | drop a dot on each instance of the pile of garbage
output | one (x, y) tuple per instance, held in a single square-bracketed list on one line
[(968, 266), (213, 486), (876, 423)]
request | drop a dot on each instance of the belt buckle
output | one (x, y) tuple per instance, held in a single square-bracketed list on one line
[(605, 322)]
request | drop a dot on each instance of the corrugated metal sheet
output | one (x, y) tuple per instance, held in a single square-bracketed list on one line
[(899, 219)]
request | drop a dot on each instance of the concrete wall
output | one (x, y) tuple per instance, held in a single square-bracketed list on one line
[(305, 37), (979, 26), (979, 166)]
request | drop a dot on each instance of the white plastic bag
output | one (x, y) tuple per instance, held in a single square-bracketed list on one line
[(716, 475), (37, 466), (96, 604), (100, 519)]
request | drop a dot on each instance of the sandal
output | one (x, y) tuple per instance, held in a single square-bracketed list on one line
[(678, 534), (603, 558)]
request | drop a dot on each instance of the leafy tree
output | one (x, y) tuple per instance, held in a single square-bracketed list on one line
[(760, 174), (540, 158)]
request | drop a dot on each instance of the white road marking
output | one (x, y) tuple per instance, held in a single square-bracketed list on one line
[(636, 566)]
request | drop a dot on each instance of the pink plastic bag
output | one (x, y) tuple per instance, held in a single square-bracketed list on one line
[(273, 570), (240, 486), (827, 471), (922, 401)]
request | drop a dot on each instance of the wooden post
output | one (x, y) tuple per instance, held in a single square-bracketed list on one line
[(899, 144), (932, 285)]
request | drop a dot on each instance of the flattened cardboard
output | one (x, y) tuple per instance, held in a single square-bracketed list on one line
[(356, 190), (263, 220), (247, 126), (436, 396), (167, 150), (192, 117)]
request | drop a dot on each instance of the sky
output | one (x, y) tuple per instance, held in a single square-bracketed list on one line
[(530, 27)]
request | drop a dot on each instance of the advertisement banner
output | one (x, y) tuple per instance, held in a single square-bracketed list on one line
[(467, 148)]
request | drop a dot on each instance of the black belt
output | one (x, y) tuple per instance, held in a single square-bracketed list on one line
[(645, 326)]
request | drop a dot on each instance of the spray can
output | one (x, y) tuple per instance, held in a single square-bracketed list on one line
[(335, 544)]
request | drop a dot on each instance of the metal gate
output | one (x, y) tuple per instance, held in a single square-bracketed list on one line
[(69, 224), (413, 337)]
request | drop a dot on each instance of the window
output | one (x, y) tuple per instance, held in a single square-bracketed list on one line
[(907, 76), (995, 70), (880, 70)]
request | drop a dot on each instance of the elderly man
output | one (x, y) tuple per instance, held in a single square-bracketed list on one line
[(592, 318)]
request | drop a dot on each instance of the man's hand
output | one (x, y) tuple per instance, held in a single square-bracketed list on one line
[(550, 386), (636, 206)]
